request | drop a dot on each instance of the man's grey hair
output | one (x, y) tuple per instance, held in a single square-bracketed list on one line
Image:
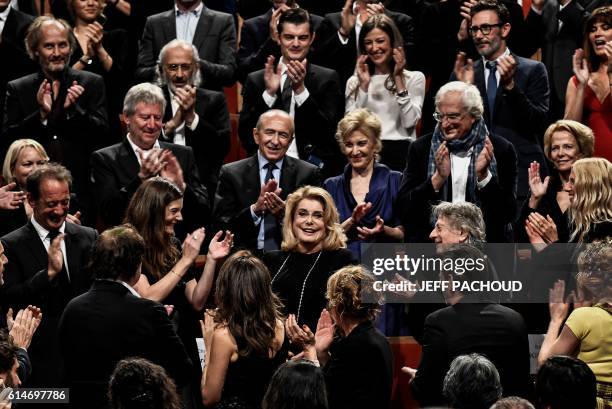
[(160, 74), (472, 381), (463, 216), (513, 402), (145, 92), (470, 97)]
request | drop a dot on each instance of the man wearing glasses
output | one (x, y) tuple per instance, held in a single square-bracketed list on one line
[(514, 90), (461, 161)]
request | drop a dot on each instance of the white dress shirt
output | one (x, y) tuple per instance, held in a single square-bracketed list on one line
[(187, 22)]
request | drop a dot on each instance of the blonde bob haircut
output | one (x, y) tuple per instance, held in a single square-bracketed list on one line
[(582, 133), (364, 121), (334, 236), (12, 155), (592, 195)]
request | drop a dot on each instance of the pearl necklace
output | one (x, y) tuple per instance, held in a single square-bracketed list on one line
[(303, 284)]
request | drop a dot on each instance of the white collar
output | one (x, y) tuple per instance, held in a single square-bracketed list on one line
[(137, 148), (263, 161), (504, 54), (42, 232), (195, 11), (4, 14), (129, 287)]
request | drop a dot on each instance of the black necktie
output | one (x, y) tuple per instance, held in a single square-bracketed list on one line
[(271, 228), (491, 87), (286, 94)]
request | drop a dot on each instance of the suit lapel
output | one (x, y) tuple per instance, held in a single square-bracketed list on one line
[(203, 28), (36, 246), (168, 113), (169, 26), (127, 158), (287, 177), (479, 79), (72, 252), (253, 183)]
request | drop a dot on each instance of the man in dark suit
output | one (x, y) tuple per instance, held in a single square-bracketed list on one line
[(55, 105), (336, 43), (111, 322), (211, 32), (460, 161), (309, 93), (118, 170), (194, 117), (47, 260), (515, 96), (259, 38), (250, 198)]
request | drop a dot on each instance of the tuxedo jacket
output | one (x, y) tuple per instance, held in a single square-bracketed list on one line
[(492, 330), (114, 177), (256, 44), (417, 195), (214, 38), (239, 187), (210, 140), (26, 282), (315, 120), (107, 324), (71, 136), (329, 51)]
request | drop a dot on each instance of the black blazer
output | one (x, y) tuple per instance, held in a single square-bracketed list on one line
[(329, 52), (315, 120), (492, 330), (214, 38), (417, 195), (239, 187), (107, 324), (26, 282), (210, 140), (115, 179)]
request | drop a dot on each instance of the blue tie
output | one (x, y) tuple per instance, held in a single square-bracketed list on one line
[(491, 87), (271, 229)]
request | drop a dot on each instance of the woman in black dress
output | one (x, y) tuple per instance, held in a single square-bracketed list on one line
[(313, 247)]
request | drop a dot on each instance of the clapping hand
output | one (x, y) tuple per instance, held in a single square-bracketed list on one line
[(193, 243), (24, 325), (363, 72), (580, 67), (537, 187), (558, 304), (11, 200), (301, 337), (272, 76), (464, 68), (219, 249), (365, 233), (360, 211), (73, 93)]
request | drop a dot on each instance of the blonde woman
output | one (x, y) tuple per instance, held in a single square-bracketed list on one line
[(313, 247)]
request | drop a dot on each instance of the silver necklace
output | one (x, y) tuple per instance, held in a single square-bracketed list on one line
[(303, 284)]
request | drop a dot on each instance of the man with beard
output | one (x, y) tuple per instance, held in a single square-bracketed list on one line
[(62, 108), (514, 90), (46, 262), (194, 117)]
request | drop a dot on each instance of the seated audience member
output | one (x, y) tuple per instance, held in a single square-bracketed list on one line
[(101, 51), (22, 158), (313, 247), (137, 383), (563, 382), (514, 89), (588, 330), (365, 192), (355, 357), (471, 324), (382, 84), (193, 117), (512, 402), (118, 170), (310, 93), (336, 45), (248, 336), (46, 267), (296, 385), (472, 382), (565, 142), (250, 198), (460, 161), (211, 32), (259, 38), (111, 322), (588, 99), (56, 104), (458, 222)]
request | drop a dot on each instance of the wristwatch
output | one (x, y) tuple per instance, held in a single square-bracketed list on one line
[(85, 59), (402, 94)]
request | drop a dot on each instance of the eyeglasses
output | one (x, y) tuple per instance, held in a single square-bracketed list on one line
[(485, 29), (175, 67), (454, 117)]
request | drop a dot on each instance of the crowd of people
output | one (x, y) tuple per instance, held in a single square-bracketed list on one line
[(363, 122)]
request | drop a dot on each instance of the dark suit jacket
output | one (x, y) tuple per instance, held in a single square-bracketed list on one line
[(256, 44), (210, 140), (108, 324), (417, 195), (315, 120), (115, 179), (215, 39), (70, 138), (239, 187), (329, 52), (26, 282), (520, 115), (492, 330)]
